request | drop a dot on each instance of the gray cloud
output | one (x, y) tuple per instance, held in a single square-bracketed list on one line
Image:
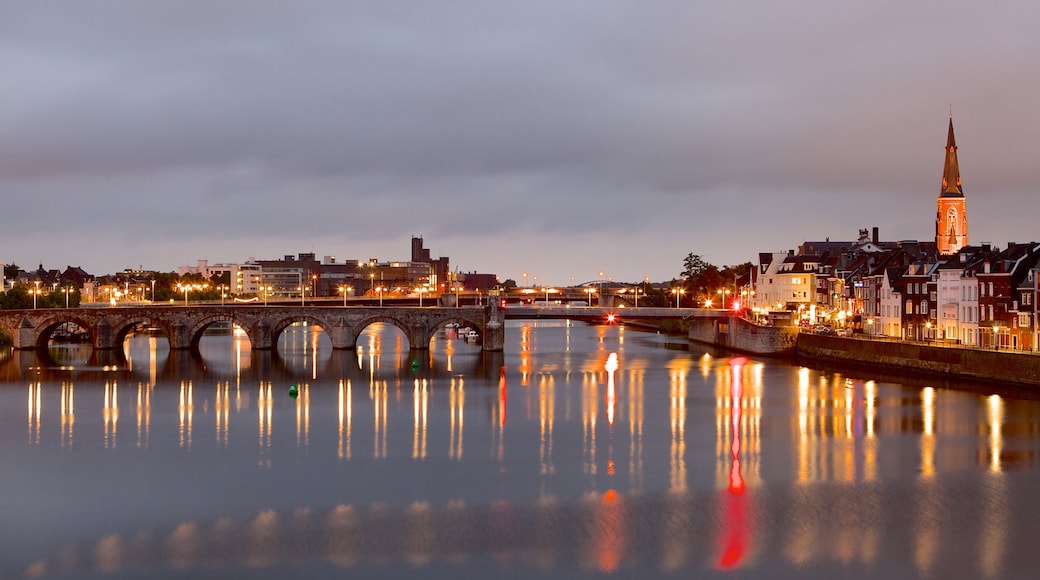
[(562, 138)]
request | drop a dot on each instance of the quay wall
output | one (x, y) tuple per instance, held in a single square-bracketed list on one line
[(735, 333), (960, 363)]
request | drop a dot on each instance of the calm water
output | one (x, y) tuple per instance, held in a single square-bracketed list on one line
[(579, 452)]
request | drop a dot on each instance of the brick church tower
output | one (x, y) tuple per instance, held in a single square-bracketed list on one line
[(951, 218)]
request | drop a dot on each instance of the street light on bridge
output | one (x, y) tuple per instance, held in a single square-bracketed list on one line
[(678, 292), (66, 291), (590, 291)]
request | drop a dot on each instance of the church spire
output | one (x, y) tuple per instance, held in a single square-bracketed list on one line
[(951, 181), (951, 217)]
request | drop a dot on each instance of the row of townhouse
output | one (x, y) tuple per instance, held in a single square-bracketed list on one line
[(979, 296)]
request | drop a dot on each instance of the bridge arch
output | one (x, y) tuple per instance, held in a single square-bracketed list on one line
[(198, 328), (123, 326), (45, 329), (359, 327), (428, 331), (279, 326)]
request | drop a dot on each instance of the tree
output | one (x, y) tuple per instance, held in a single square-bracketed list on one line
[(693, 266), (11, 271)]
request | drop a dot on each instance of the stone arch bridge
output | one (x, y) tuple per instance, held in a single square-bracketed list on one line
[(184, 326)]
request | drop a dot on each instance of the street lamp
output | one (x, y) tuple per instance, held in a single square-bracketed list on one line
[(723, 291), (66, 291), (153, 290), (380, 289), (678, 292), (343, 291)]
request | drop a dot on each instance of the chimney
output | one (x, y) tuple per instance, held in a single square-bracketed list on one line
[(874, 237)]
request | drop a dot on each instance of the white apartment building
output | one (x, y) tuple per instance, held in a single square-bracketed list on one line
[(786, 282), (245, 278), (889, 320)]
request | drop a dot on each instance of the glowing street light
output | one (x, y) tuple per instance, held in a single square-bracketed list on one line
[(723, 291), (36, 293), (590, 291), (678, 292), (344, 290), (66, 291)]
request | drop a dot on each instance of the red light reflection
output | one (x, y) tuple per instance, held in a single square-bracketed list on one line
[(735, 535)]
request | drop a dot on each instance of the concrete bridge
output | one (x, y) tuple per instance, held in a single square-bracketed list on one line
[(600, 314), (184, 326)]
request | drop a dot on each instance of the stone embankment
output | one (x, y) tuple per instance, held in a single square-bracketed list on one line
[(898, 356), (738, 334), (891, 356)]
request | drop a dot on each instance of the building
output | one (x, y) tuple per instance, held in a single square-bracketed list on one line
[(951, 218)]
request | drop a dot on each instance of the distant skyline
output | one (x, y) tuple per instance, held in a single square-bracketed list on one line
[(557, 139)]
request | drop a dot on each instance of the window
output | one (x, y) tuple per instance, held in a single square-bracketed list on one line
[(923, 307), (909, 306)]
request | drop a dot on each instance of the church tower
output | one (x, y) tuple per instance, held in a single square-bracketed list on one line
[(951, 219)]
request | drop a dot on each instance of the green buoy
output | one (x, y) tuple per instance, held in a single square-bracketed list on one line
[(293, 391), (415, 365)]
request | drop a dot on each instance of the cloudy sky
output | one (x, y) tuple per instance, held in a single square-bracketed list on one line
[(555, 138)]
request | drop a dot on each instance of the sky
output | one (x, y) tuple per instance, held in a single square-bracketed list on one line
[(556, 139)]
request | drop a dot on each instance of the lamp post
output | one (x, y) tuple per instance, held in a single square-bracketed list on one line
[(343, 290), (184, 287), (153, 290), (222, 287), (724, 291), (36, 293), (590, 291), (678, 292), (380, 289), (66, 292)]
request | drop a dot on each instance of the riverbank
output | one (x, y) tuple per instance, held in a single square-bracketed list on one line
[(893, 356), (945, 361)]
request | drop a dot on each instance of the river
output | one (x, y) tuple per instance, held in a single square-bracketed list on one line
[(581, 451)]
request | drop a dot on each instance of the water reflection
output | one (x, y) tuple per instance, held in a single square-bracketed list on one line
[(858, 470)]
